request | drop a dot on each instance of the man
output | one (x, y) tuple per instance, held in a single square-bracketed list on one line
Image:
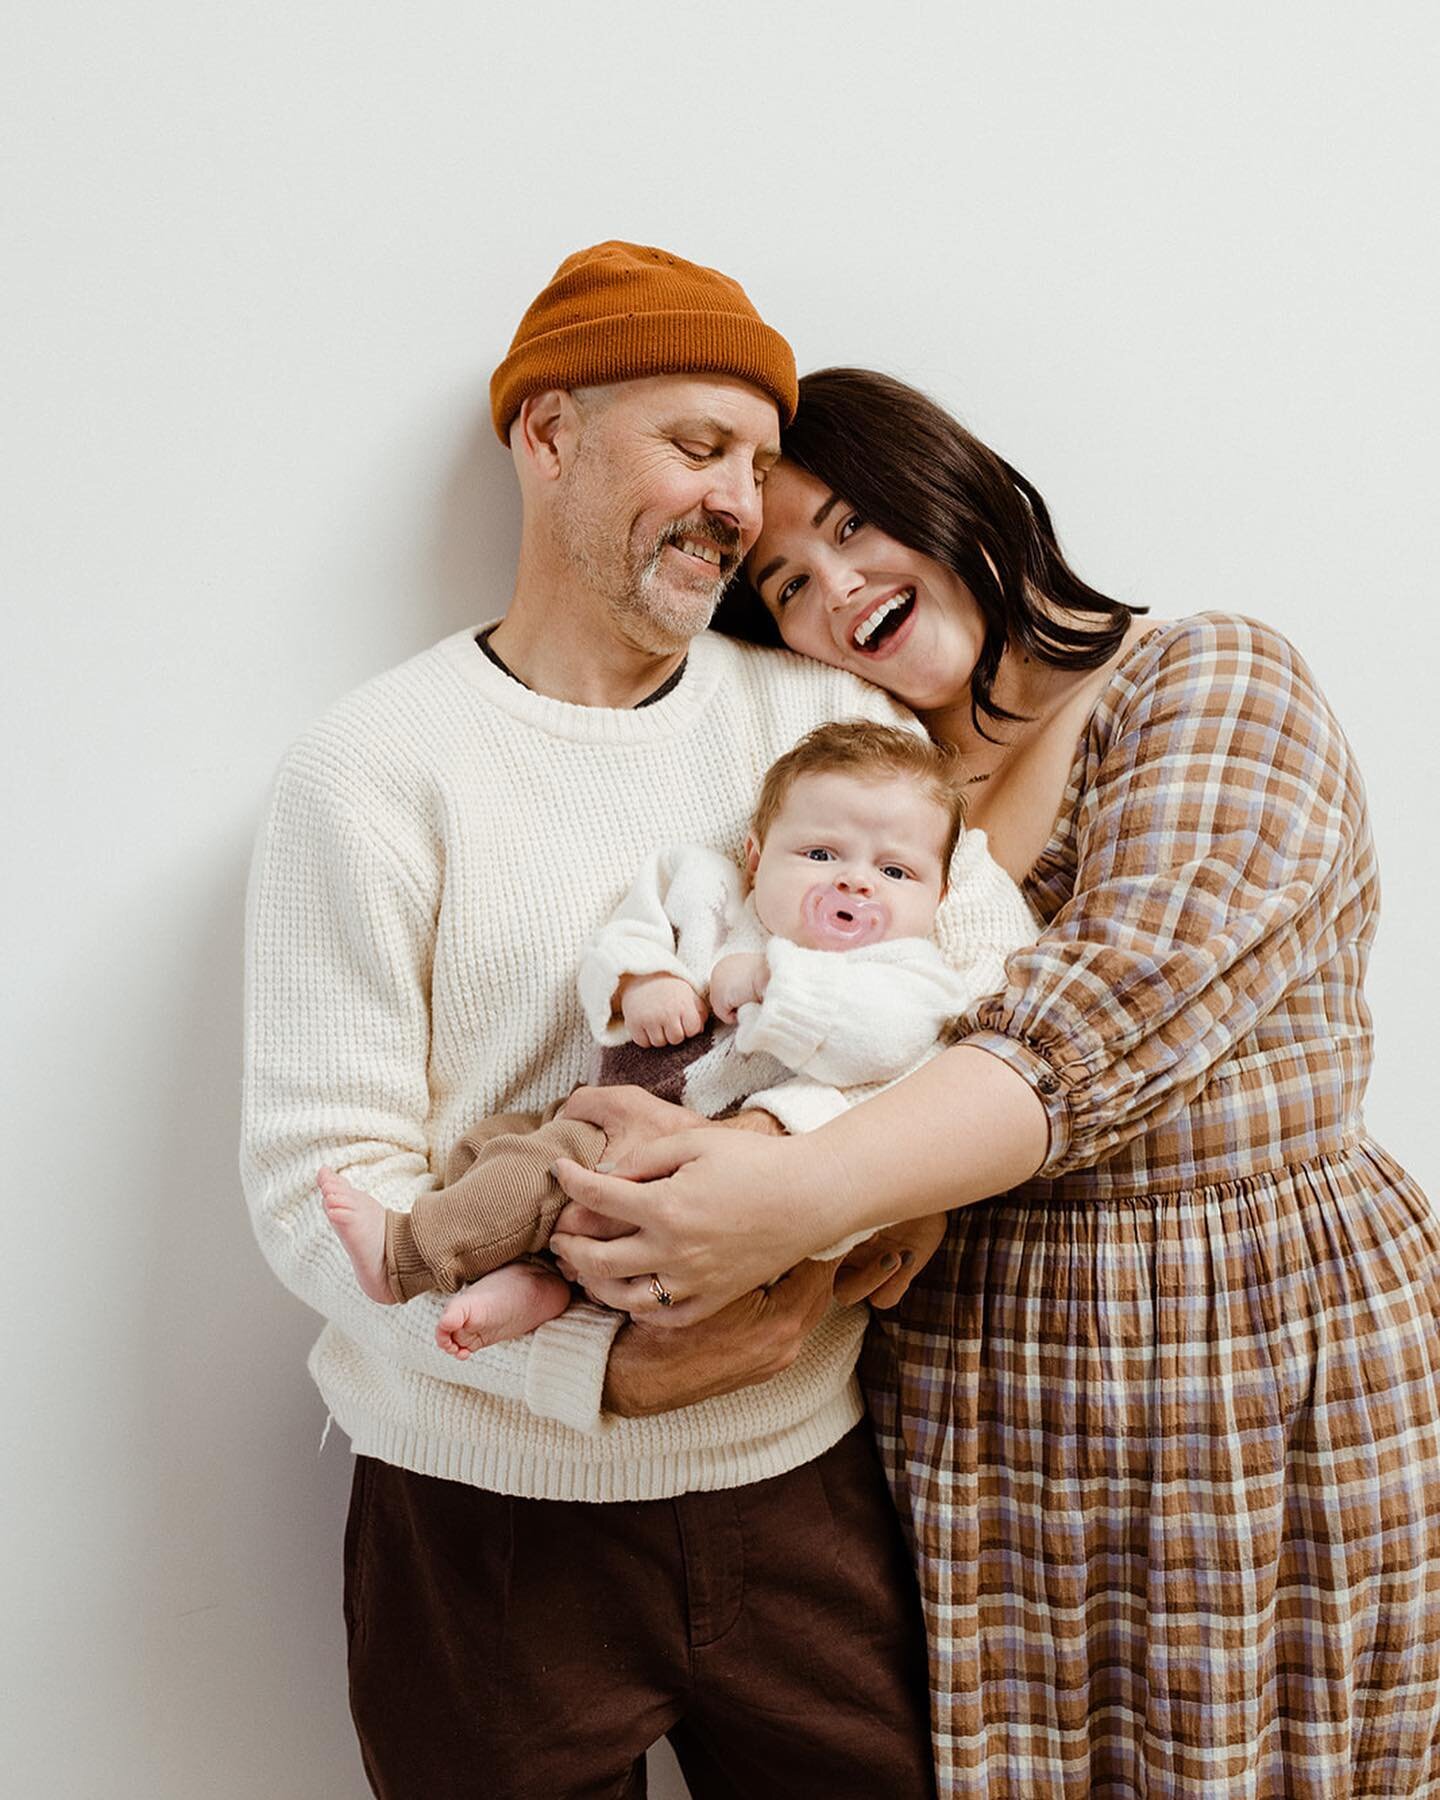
[(538, 1588)]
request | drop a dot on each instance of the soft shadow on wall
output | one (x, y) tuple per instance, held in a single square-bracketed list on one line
[(476, 539)]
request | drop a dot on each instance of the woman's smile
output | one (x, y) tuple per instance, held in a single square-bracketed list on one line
[(885, 624)]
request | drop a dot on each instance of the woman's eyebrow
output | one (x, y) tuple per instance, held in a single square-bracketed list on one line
[(775, 563), (815, 523)]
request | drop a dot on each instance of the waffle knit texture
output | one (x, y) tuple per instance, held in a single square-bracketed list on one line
[(438, 849), (618, 312)]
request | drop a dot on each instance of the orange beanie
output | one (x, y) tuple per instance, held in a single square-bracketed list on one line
[(620, 311)]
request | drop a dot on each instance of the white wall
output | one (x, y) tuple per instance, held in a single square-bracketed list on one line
[(1176, 262)]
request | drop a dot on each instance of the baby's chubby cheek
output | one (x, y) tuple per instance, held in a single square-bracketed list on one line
[(777, 909)]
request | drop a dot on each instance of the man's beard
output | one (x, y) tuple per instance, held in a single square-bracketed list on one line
[(680, 608), (660, 612)]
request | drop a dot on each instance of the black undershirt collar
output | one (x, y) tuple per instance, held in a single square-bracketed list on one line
[(667, 686)]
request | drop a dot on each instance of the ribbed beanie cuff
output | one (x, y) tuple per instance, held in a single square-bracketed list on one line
[(619, 312)]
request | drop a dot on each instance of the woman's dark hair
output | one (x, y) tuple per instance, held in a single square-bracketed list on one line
[(906, 466)]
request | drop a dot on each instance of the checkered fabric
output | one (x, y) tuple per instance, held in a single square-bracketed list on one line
[(1164, 1424)]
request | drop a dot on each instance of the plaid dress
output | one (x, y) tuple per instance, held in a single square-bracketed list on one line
[(1164, 1424)]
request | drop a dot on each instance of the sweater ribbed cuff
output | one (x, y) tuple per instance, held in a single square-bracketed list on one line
[(565, 1374), (797, 1013), (845, 1245), (799, 1105)]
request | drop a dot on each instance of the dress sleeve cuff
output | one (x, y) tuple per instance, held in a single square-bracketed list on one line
[(565, 1373), (1049, 1085)]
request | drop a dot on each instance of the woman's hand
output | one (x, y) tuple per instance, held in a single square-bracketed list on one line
[(755, 1337), (714, 1213)]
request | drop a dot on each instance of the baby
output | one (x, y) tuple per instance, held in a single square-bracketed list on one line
[(821, 968)]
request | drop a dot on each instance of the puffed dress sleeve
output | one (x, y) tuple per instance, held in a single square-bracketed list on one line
[(1217, 842)]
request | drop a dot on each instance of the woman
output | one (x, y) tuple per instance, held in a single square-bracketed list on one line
[(1164, 1418)]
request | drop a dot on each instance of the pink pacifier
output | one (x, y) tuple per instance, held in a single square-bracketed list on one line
[(837, 920)]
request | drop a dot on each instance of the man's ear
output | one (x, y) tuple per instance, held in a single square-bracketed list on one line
[(546, 430), (752, 854)]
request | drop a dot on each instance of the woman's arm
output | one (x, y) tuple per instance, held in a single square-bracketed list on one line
[(706, 1206)]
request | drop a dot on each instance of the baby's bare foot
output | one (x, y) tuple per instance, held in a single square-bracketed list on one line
[(359, 1221), (500, 1306)]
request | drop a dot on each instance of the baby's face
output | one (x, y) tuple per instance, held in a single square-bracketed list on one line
[(850, 861)]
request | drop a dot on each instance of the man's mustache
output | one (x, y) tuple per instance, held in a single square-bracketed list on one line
[(707, 531)]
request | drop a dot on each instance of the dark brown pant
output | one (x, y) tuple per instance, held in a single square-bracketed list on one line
[(534, 1649)]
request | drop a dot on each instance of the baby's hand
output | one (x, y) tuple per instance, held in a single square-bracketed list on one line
[(735, 981), (660, 1009)]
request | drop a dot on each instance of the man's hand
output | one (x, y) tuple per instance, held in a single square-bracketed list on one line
[(653, 1370), (882, 1268), (735, 981), (630, 1119), (660, 1009)]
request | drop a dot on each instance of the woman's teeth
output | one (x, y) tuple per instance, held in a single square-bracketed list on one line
[(872, 621)]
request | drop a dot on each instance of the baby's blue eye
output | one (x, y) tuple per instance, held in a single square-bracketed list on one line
[(894, 872), (818, 855)]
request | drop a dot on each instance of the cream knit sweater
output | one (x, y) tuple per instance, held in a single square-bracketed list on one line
[(438, 849)]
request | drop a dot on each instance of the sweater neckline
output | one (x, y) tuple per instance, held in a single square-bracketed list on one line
[(485, 632), (666, 716)]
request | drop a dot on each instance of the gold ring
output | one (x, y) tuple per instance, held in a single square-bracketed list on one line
[(661, 1292)]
